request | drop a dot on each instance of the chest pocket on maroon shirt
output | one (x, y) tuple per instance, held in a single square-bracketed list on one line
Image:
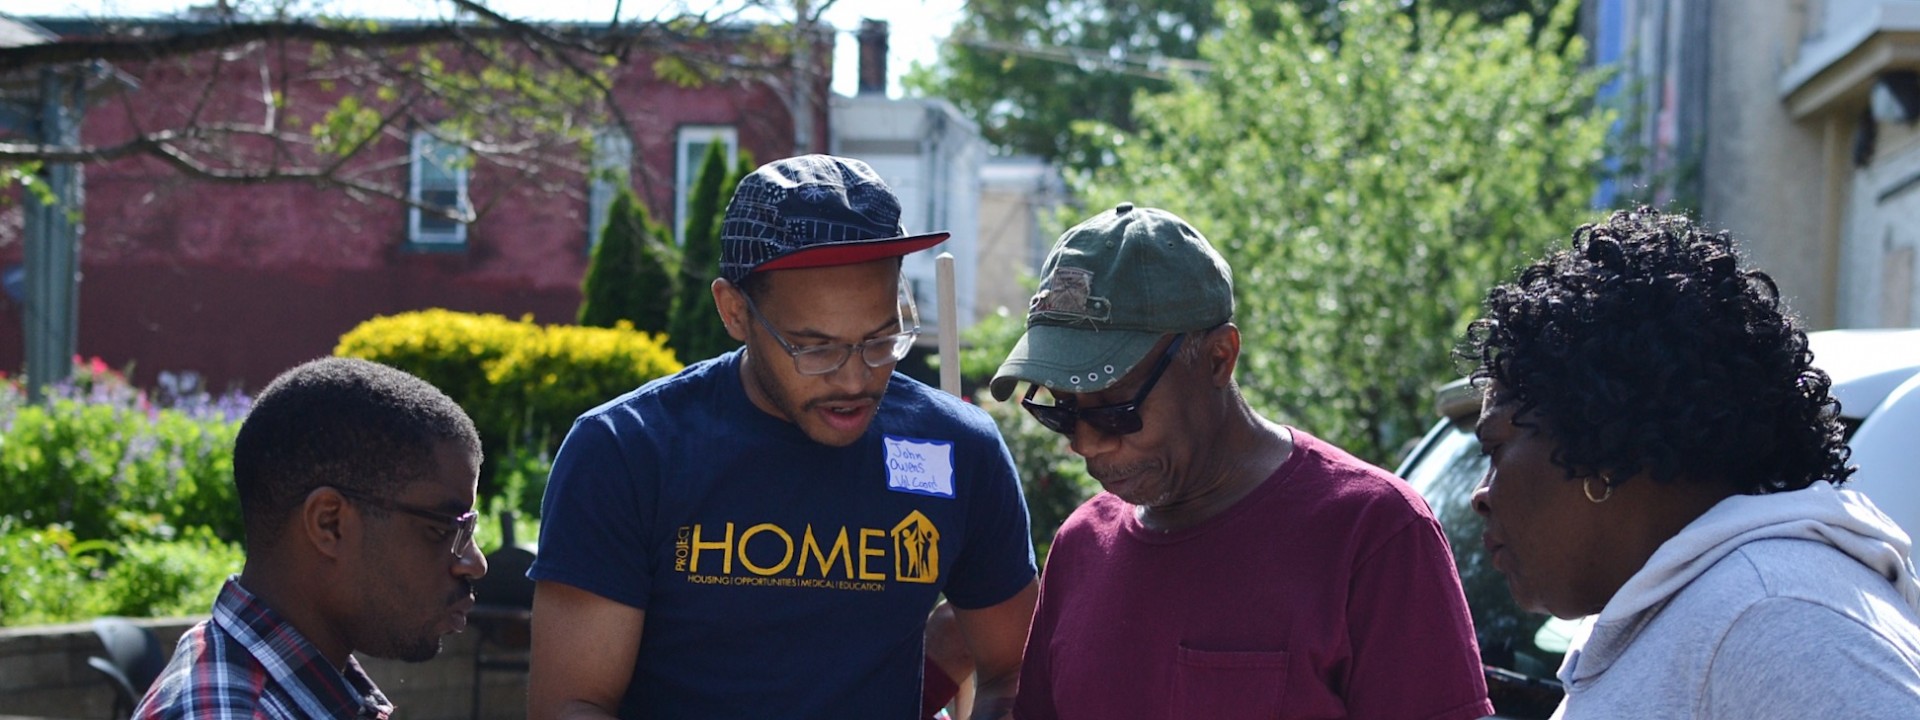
[(1228, 685)]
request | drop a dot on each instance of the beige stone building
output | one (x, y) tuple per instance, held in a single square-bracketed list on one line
[(1019, 199), (1790, 123)]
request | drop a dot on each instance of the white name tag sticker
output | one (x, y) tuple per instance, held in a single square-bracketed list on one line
[(921, 467)]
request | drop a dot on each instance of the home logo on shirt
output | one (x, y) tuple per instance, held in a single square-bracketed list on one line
[(916, 550), (835, 558)]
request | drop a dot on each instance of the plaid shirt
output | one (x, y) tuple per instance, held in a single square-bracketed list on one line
[(247, 662)]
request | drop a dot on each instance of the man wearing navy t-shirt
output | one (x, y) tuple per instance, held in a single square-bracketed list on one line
[(764, 533)]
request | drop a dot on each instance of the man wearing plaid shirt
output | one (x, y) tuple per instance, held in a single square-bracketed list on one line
[(357, 486)]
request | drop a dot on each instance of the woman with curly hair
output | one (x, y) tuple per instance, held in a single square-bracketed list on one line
[(1664, 455)]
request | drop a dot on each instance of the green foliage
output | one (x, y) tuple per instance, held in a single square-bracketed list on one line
[(522, 482), (488, 93), (1054, 479), (114, 502), (678, 71), (522, 383), (553, 376), (451, 350), (984, 345), (1027, 70), (523, 473), (631, 274), (988, 343), (45, 574), (1035, 73), (167, 578), (1366, 192), (345, 128), (49, 574), (27, 175), (109, 470), (696, 332)]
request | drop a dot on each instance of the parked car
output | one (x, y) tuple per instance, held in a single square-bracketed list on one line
[(1876, 378)]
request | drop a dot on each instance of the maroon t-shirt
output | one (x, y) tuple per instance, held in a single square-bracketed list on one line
[(1327, 592)]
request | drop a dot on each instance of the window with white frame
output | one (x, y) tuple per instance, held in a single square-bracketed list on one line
[(439, 179), (612, 170), (690, 148)]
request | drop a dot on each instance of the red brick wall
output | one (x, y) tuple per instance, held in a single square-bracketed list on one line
[(239, 282)]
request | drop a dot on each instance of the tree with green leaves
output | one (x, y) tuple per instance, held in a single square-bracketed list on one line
[(1366, 190), (696, 332), (631, 274), (1040, 75)]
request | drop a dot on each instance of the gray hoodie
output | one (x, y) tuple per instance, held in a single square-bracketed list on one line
[(1792, 605)]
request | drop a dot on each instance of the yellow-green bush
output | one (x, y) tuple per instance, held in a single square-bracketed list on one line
[(450, 349), (522, 383), (565, 370)]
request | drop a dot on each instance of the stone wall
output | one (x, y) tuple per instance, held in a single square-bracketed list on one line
[(44, 673)]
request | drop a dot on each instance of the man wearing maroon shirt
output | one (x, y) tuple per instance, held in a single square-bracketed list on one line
[(1234, 567)]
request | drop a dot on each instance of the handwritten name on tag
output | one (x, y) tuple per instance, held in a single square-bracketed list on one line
[(922, 467)]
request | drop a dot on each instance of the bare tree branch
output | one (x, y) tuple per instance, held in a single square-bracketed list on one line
[(373, 86), (130, 49)]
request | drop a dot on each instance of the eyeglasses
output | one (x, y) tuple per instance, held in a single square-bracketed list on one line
[(1119, 419), (823, 359), (463, 523)]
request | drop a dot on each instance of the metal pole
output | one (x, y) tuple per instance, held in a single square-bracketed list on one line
[(52, 250)]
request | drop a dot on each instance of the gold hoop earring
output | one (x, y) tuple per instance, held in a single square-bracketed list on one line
[(1586, 486)]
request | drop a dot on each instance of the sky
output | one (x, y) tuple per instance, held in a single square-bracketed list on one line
[(917, 26)]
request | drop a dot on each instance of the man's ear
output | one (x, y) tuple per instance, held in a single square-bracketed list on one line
[(1223, 353), (732, 305), (323, 521)]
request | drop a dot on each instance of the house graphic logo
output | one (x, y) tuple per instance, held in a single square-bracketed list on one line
[(916, 550)]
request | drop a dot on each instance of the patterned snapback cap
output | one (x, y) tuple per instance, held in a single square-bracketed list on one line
[(813, 211)]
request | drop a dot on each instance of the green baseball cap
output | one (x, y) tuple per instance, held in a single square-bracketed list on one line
[(1110, 289)]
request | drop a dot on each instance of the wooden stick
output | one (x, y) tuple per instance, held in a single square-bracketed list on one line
[(949, 325)]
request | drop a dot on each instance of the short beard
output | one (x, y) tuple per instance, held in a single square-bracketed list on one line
[(417, 652), (770, 388)]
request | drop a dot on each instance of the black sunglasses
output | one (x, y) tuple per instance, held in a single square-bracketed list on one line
[(1118, 419)]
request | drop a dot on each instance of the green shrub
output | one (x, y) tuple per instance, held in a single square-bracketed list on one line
[(167, 578), (449, 349), (1054, 479), (696, 333), (115, 503), (522, 481), (91, 464), (632, 272), (522, 383), (565, 370), (49, 575), (45, 575)]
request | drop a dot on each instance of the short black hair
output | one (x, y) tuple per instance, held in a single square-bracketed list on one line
[(352, 424), (1647, 346)]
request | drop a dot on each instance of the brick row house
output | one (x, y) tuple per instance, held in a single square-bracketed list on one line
[(238, 281)]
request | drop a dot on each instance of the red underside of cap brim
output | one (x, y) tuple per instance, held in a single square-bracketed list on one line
[(852, 253)]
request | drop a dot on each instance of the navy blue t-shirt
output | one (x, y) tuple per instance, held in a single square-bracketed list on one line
[(781, 577)]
